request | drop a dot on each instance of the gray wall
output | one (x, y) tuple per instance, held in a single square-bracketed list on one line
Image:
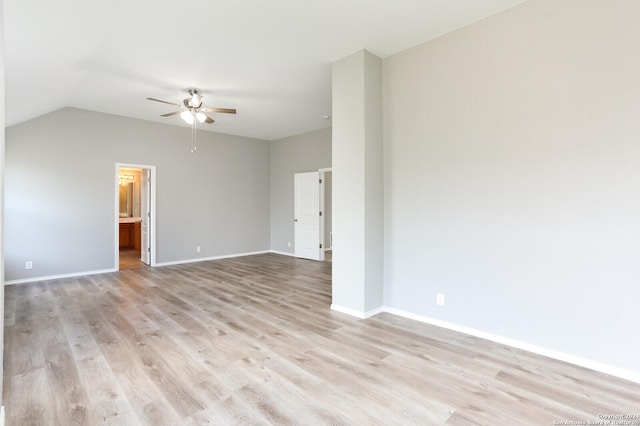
[(296, 154), (512, 177), (60, 191)]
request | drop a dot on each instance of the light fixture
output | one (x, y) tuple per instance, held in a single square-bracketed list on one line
[(196, 99), (125, 179), (192, 115), (187, 116)]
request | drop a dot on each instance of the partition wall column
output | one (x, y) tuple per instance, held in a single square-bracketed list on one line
[(357, 184)]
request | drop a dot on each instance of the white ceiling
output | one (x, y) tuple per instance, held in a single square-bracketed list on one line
[(269, 59)]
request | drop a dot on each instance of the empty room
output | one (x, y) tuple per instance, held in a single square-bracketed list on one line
[(390, 213)]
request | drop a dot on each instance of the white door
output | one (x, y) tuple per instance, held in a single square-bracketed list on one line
[(307, 215), (145, 215)]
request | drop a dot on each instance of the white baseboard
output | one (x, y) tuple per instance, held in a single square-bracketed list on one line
[(2, 416), (204, 259), (59, 276), (550, 353), (284, 253), (348, 311), (373, 312), (355, 313), (104, 271)]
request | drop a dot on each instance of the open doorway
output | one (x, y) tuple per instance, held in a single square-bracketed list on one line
[(312, 230), (135, 217)]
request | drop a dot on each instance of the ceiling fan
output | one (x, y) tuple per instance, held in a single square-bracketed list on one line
[(192, 109), (192, 112)]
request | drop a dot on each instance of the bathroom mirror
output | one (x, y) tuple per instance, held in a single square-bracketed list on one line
[(129, 192), (126, 199)]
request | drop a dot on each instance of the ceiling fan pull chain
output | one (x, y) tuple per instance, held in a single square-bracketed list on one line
[(194, 134)]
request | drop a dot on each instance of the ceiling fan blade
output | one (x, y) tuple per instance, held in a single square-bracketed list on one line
[(164, 102), (209, 120), (220, 110), (169, 114)]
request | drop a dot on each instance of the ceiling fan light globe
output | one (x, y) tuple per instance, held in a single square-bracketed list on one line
[(196, 100), (187, 116), (201, 117)]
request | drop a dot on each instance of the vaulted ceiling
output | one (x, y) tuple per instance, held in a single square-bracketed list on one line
[(271, 60)]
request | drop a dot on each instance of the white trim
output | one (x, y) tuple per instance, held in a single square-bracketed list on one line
[(374, 312), (59, 276), (152, 207), (323, 215), (105, 271), (284, 253), (355, 313), (2, 416), (204, 259), (347, 311), (561, 356), (322, 172), (539, 350)]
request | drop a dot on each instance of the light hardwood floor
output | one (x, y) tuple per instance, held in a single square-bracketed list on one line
[(252, 341)]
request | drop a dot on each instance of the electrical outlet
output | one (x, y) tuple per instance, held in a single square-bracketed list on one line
[(28, 264), (198, 249), (289, 244), (440, 299)]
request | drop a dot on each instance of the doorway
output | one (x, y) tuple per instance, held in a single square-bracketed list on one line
[(135, 216), (312, 215)]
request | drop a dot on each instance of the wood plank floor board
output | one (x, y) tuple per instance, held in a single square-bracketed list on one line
[(10, 310), (573, 398), (252, 341), (67, 395), (460, 382), (9, 369), (369, 391), (319, 402), (170, 381), (29, 399), (79, 335), (21, 338), (445, 358), (607, 389), (108, 402), (232, 410), (158, 316), (457, 388), (144, 397)]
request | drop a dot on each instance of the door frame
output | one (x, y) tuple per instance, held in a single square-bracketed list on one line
[(152, 208), (322, 209)]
